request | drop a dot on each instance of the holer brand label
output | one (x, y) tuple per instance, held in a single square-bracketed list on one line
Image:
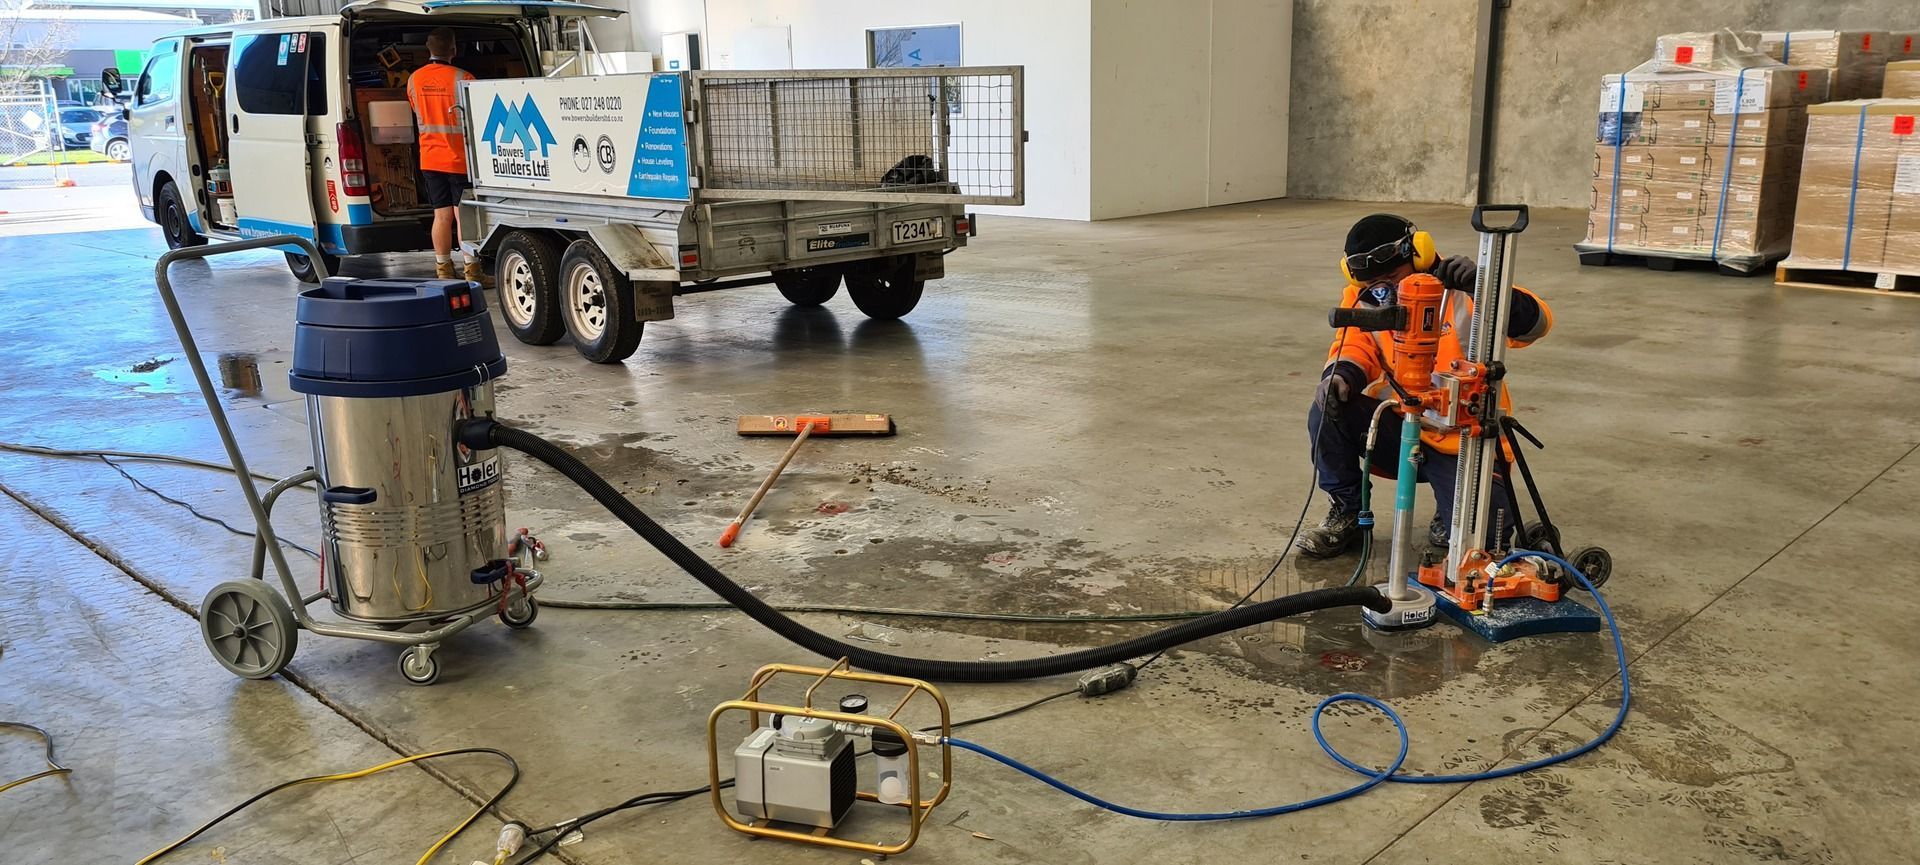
[(519, 140), (478, 475)]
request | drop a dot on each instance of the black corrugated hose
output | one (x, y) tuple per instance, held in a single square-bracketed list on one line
[(486, 433)]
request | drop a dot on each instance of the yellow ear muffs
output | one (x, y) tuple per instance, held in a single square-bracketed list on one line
[(1348, 273), (1424, 255)]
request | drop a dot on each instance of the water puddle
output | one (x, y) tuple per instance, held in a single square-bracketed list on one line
[(239, 375)]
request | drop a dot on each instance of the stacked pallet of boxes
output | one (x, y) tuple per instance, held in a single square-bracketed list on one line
[(1903, 80), (1697, 154), (1858, 217), (1856, 59)]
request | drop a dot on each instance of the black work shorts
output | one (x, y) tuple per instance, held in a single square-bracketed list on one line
[(442, 188)]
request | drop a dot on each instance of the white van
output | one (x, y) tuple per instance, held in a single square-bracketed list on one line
[(261, 128)]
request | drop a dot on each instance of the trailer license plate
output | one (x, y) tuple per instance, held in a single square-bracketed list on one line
[(916, 230)]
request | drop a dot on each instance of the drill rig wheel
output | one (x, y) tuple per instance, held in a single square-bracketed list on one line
[(1542, 537), (1595, 563)]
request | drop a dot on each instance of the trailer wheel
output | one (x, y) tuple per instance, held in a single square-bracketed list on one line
[(302, 266), (599, 305), (808, 286), (886, 291), (527, 287)]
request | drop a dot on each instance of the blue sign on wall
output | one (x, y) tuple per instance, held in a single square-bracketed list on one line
[(936, 45), (660, 154)]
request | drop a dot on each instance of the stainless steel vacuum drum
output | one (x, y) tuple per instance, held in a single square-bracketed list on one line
[(414, 521)]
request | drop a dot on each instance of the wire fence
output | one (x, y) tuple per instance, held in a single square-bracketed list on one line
[(31, 143), (949, 135)]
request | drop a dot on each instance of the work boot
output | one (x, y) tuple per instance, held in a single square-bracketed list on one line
[(1440, 532), (475, 274), (1335, 535), (443, 270)]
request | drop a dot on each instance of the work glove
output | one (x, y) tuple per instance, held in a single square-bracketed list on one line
[(1340, 382), (1457, 272)]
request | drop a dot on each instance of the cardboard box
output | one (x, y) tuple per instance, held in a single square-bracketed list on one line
[(1750, 165), (1748, 90), (1629, 232), (1903, 45), (1902, 81), (1681, 52), (1858, 58), (1701, 128), (1859, 202)]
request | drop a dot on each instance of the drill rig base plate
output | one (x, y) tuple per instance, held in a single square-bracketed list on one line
[(1513, 618)]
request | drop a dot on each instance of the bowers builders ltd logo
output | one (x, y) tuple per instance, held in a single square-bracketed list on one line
[(514, 133)]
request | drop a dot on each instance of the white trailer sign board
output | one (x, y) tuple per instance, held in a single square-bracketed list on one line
[(623, 135)]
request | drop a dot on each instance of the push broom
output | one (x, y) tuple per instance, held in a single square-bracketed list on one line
[(801, 427)]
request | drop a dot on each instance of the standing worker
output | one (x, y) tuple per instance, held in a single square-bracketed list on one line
[(1383, 249), (434, 92)]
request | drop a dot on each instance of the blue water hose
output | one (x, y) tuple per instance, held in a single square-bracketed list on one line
[(1374, 777)]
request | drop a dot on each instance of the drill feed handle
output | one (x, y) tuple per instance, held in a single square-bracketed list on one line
[(1368, 318), (1518, 224)]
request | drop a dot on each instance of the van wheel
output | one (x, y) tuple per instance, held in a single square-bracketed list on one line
[(526, 280), (808, 286), (886, 291), (599, 305), (170, 211), (302, 266)]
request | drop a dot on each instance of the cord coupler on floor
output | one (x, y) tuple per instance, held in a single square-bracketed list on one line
[(1372, 777)]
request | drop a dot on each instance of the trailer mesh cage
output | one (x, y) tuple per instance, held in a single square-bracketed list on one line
[(942, 135)]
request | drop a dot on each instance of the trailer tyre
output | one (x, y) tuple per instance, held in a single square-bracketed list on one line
[(886, 292), (807, 286), (302, 266), (527, 287), (599, 305)]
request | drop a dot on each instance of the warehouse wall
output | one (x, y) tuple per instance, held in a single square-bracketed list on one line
[(1189, 103), (1355, 59), (1380, 98), (1049, 37)]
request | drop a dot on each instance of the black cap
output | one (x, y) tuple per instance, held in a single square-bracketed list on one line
[(1375, 230)]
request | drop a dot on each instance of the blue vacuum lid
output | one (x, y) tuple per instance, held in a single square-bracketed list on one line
[(392, 338)]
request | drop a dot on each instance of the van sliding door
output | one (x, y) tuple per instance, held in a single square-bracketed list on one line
[(276, 81)]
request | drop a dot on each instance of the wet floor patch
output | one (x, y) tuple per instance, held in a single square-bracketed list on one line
[(260, 377)]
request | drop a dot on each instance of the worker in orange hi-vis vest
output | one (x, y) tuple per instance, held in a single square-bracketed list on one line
[(434, 92)]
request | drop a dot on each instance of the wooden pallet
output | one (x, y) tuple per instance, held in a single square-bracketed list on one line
[(1668, 263), (1859, 282)]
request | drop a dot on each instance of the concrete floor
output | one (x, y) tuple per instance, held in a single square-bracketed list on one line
[(1095, 418)]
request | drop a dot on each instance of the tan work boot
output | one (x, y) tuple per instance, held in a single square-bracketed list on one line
[(443, 270), (475, 274)]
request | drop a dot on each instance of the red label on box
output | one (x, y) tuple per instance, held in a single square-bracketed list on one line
[(1903, 124), (1907, 48), (1683, 54), (1866, 41), (1803, 81)]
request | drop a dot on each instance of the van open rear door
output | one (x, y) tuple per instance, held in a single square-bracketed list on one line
[(274, 81)]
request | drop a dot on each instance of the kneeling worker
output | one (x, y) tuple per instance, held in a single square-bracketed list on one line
[(1383, 249), (434, 92)]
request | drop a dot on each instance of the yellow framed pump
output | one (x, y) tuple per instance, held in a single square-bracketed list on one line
[(813, 748)]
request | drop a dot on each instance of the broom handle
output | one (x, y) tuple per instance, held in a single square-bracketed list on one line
[(733, 528)]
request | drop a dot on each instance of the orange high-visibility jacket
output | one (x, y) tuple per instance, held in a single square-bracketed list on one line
[(434, 92), (1372, 352)]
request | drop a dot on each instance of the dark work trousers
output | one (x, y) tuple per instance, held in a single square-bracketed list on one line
[(1337, 452)]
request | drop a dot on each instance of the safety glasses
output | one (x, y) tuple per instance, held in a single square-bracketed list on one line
[(1378, 260)]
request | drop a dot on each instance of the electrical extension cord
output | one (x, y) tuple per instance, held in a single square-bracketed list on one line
[(1374, 777)]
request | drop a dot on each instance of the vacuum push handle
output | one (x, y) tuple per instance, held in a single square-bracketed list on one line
[(1368, 318), (1518, 224)]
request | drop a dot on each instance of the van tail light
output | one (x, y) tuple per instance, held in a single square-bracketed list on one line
[(353, 159)]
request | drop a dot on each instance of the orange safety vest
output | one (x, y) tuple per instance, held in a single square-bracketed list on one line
[(1372, 351), (434, 92)]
